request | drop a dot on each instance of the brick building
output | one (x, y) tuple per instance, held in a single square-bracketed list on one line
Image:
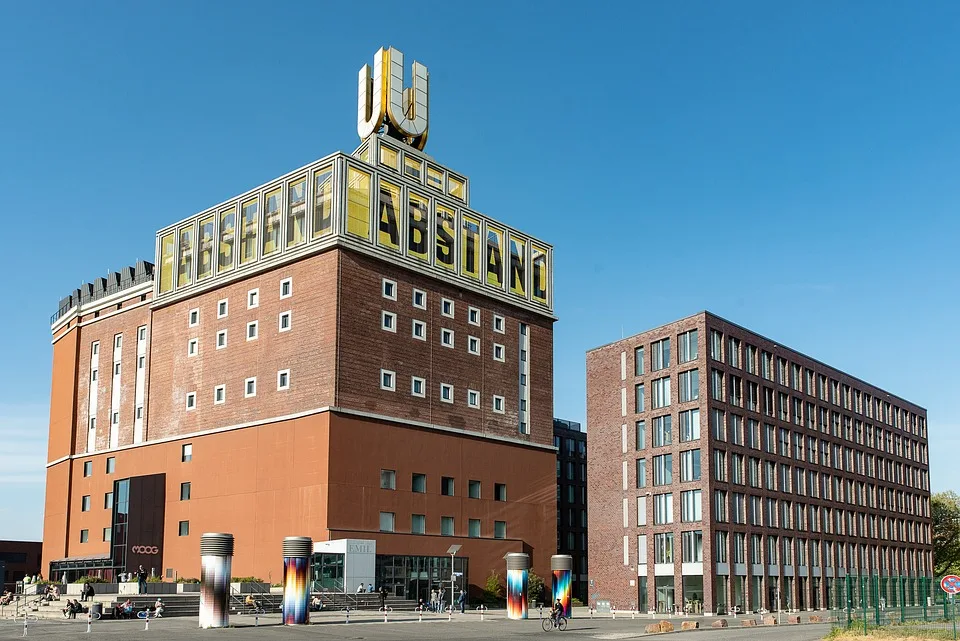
[(17, 560), (728, 470), (571, 443), (348, 351)]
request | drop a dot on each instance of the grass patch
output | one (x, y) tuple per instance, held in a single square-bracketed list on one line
[(892, 633)]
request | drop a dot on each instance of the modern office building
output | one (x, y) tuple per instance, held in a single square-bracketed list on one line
[(728, 470), (17, 560), (348, 352), (571, 443)]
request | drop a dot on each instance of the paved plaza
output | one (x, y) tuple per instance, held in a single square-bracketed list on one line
[(403, 626)]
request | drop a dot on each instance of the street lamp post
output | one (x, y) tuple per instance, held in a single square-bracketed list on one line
[(452, 551)]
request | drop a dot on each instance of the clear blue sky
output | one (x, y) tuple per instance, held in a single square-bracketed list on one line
[(790, 166)]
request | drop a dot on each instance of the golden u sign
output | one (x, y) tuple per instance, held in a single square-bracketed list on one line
[(384, 100)]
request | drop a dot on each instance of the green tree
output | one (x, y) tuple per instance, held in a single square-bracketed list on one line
[(493, 588), (945, 512), (534, 587)]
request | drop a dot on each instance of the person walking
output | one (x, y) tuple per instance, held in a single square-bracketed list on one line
[(462, 601), (433, 600), (383, 596), (141, 580), (440, 593)]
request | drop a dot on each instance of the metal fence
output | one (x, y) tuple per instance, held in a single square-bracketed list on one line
[(865, 602)]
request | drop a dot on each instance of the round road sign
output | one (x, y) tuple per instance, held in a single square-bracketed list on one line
[(950, 584)]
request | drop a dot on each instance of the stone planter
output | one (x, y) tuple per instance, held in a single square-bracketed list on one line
[(131, 589), (74, 589), (187, 588)]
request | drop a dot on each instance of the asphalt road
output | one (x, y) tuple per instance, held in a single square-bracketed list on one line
[(331, 626)]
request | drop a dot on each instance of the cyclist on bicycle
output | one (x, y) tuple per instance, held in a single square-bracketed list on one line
[(557, 610)]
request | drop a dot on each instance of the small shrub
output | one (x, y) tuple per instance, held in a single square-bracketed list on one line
[(154, 579), (90, 579), (184, 579), (246, 579), (493, 588), (534, 587), (577, 603)]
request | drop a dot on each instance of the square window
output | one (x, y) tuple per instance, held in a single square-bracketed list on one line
[(84, 535), (420, 330), (118, 339), (389, 289), (499, 491), (498, 404), (446, 525), (221, 339), (219, 394), (473, 345), (418, 483), (85, 503), (194, 318), (446, 393), (388, 479), (388, 321), (418, 524), (418, 386), (93, 376), (111, 465), (139, 411), (286, 288), (388, 380), (446, 486), (115, 418), (93, 423), (191, 400), (446, 307), (142, 333), (108, 501), (446, 337), (141, 361), (96, 348), (253, 298), (473, 316), (473, 489), (473, 398), (474, 529), (184, 528), (419, 299), (387, 521), (222, 308), (285, 321), (498, 352), (252, 328), (88, 468), (185, 491), (193, 346), (106, 534), (499, 529), (116, 369), (498, 324), (250, 387), (283, 379), (186, 453)]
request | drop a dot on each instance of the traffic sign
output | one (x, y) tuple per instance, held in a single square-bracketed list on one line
[(950, 584)]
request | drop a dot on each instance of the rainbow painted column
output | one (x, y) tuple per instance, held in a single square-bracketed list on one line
[(562, 566), (216, 559), (518, 571), (297, 551)]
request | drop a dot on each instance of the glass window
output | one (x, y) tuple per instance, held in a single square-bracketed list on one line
[(692, 543), (687, 346), (474, 528), (640, 398), (205, 242), (638, 361), (185, 491), (690, 465), (358, 203), (446, 525), (184, 528), (248, 232), (689, 385), (473, 489), (166, 262), (418, 524), (641, 472), (387, 521), (388, 479), (691, 507), (389, 157), (663, 469), (412, 167), (641, 434), (323, 201), (85, 503), (446, 486), (84, 536), (662, 509), (499, 529), (418, 483), (689, 425), (228, 222), (186, 453), (662, 435), (271, 221), (660, 354), (108, 501), (111, 464), (296, 212), (456, 188), (661, 392), (663, 548), (185, 268)]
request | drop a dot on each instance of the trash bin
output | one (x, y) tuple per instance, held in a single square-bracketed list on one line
[(96, 610)]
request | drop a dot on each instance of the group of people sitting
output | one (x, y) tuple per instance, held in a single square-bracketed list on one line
[(126, 609), (51, 593), (73, 608), (6, 598)]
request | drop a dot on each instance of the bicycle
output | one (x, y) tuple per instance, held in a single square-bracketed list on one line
[(554, 623)]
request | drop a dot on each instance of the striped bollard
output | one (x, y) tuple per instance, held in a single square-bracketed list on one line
[(297, 551), (216, 559)]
